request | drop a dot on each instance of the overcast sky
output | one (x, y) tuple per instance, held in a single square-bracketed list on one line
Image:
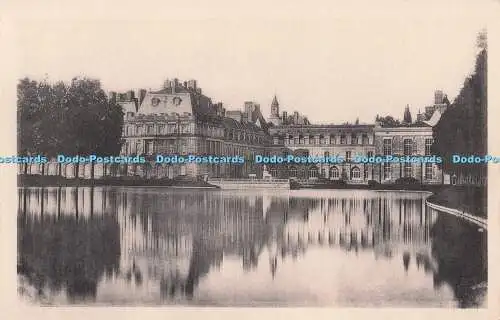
[(333, 61)]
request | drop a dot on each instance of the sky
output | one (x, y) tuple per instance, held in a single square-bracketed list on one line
[(333, 61)]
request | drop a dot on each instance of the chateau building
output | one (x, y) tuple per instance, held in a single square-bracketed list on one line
[(351, 140), (180, 120)]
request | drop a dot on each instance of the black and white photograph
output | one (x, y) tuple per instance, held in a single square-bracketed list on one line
[(256, 154)]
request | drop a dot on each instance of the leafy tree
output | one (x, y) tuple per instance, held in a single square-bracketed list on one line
[(73, 119), (388, 121)]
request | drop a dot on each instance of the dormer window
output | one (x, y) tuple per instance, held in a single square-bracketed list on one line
[(177, 101), (155, 102)]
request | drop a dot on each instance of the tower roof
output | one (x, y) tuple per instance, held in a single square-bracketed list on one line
[(275, 102)]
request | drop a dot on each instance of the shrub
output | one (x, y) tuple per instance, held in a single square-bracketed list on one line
[(407, 180), (372, 183)]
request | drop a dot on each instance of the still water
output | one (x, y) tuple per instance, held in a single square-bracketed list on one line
[(157, 246)]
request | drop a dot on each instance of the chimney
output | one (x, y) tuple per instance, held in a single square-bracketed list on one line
[(130, 95), (192, 84), (166, 84), (142, 95), (174, 84), (438, 97)]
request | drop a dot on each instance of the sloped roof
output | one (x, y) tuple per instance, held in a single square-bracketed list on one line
[(434, 118)]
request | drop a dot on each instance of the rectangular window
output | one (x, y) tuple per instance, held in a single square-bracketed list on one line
[(407, 147), (428, 145), (348, 156), (332, 139), (370, 154), (428, 171), (151, 129), (149, 147), (161, 129), (365, 139), (387, 170), (407, 170), (354, 139), (343, 139), (387, 148)]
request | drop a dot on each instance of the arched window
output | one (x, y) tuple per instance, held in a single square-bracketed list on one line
[(355, 173), (334, 173)]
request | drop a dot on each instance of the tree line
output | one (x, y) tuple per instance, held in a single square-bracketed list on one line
[(462, 128), (74, 118)]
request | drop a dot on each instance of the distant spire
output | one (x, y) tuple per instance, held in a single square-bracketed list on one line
[(275, 102), (407, 115), (275, 107)]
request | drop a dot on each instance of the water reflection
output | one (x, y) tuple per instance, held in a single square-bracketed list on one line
[(317, 248)]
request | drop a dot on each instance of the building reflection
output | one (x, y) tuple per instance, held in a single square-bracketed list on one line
[(103, 242)]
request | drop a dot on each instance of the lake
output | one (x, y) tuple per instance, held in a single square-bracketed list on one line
[(149, 246)]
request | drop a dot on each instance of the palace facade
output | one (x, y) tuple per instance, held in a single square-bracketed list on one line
[(351, 140), (180, 120)]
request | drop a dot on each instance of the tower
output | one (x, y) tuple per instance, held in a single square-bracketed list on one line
[(275, 112), (275, 107)]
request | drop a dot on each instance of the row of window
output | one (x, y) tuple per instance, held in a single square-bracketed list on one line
[(355, 140), (355, 172), (151, 129), (181, 146), (409, 146), (407, 171)]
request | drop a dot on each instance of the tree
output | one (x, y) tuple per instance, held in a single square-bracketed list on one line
[(74, 119), (387, 121), (462, 128)]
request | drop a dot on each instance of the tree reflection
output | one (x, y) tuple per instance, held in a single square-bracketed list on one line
[(461, 255), (63, 253)]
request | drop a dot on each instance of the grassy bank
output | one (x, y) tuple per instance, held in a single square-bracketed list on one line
[(470, 199), (56, 181)]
